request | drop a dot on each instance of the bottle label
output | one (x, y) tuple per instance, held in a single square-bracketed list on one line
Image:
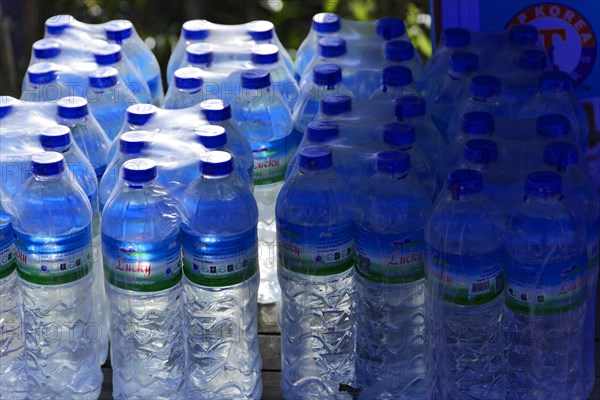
[(54, 261), (465, 279), (389, 258), (593, 237), (220, 261), (142, 266), (8, 262), (546, 290), (315, 250), (271, 160)]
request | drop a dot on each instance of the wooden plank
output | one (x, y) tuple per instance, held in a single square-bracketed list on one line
[(267, 319), (271, 388), (270, 352)]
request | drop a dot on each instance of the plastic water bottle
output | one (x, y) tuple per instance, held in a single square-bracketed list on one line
[(13, 374), (326, 80), (464, 273), (485, 96), (200, 55), (86, 131), (185, 90), (401, 136), (546, 293), (396, 82), (131, 145), (194, 31), (43, 84), (402, 52), (123, 33), (110, 99), (474, 125), (220, 255), (556, 96), (331, 50), (452, 89), (58, 139), (521, 37), (315, 259), (522, 85), (582, 197), (318, 133), (137, 117), (110, 55), (323, 24), (263, 32), (266, 56), (390, 285), (453, 40), (413, 110), (335, 106), (267, 124), (142, 261), (54, 261)]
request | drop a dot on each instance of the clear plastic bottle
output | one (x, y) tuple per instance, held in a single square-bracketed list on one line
[(390, 285), (396, 82), (323, 24), (194, 31), (263, 32), (464, 276), (109, 99), (110, 55), (137, 117), (185, 90), (123, 33), (521, 37), (474, 125), (331, 50), (221, 278), (142, 252), (545, 294), (58, 139), (54, 260), (43, 84), (315, 259), (318, 133), (13, 374), (453, 40), (43, 51), (200, 55), (334, 106), (86, 131), (402, 52), (582, 196), (267, 124)]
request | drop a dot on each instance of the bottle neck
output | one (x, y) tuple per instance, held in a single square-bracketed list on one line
[(72, 121), (139, 185), (62, 150)]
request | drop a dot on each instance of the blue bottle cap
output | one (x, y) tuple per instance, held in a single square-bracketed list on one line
[(485, 86), (216, 163), (42, 73), (327, 75), (215, 110), (555, 81), (481, 151), (55, 137), (256, 79), (134, 142), (139, 114), (260, 31), (326, 23), (265, 54), (196, 29), (322, 131), (108, 54), (118, 30), (46, 49), (332, 46), (200, 53), (57, 24), (7, 104), (139, 170), (188, 78), (73, 107), (399, 134), (465, 181), (335, 104), (390, 28), (399, 50), (552, 125), (543, 184), (410, 107), (315, 158), (48, 163), (396, 75), (523, 34), (464, 62), (456, 37), (533, 59), (392, 162), (561, 154), (477, 122), (211, 136), (103, 77)]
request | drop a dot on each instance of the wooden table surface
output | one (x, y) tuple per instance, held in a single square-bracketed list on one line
[(270, 344)]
